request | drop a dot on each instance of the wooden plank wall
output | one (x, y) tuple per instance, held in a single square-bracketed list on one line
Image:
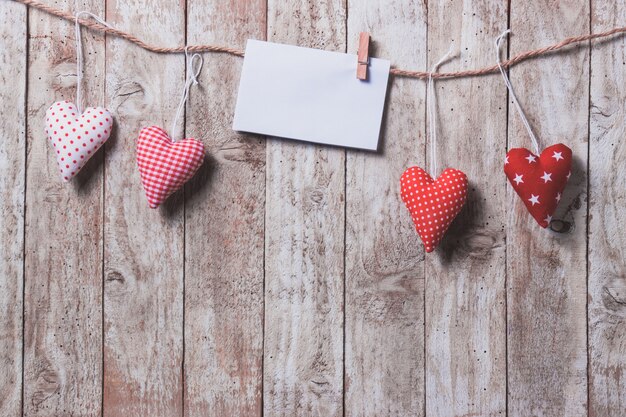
[(224, 251), (546, 278), (606, 250), (13, 64), (286, 278), (304, 239), (143, 275), (62, 373), (465, 297), (384, 287)]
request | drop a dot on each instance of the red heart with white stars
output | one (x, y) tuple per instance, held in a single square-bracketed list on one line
[(75, 138), (164, 165), (433, 204), (539, 181)]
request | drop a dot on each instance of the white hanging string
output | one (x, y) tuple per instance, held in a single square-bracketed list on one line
[(510, 87), (432, 119), (192, 78), (79, 54)]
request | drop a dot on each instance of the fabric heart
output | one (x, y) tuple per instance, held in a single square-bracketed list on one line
[(165, 165), (75, 138), (433, 204), (539, 181)]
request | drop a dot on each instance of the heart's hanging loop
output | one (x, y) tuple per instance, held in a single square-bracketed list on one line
[(192, 78), (510, 87), (79, 54), (432, 119)]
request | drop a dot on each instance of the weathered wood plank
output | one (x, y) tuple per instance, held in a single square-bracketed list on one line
[(304, 244), (144, 248), (607, 216), (465, 277), (224, 236), (63, 260), (546, 272), (384, 348), (13, 64)]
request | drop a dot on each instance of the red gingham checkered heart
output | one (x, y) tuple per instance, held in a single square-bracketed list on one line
[(433, 204), (164, 165)]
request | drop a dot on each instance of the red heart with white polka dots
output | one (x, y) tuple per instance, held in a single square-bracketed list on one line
[(433, 204), (75, 138)]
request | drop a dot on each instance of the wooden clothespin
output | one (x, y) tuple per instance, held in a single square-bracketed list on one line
[(363, 57)]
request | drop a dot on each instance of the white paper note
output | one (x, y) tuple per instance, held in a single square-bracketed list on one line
[(311, 95)]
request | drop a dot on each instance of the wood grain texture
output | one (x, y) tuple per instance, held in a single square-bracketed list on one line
[(144, 248), (546, 272), (304, 241), (384, 347), (13, 64), (505, 318), (465, 277), (63, 239), (607, 237), (224, 235)]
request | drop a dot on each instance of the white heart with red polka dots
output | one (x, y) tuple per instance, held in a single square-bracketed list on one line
[(76, 138)]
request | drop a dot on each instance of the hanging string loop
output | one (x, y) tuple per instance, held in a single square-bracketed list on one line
[(432, 119), (533, 138), (79, 54), (194, 66)]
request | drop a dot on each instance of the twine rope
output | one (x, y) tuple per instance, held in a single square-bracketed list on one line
[(394, 71), (533, 138)]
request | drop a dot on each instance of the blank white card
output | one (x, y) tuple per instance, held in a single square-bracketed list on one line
[(311, 95)]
